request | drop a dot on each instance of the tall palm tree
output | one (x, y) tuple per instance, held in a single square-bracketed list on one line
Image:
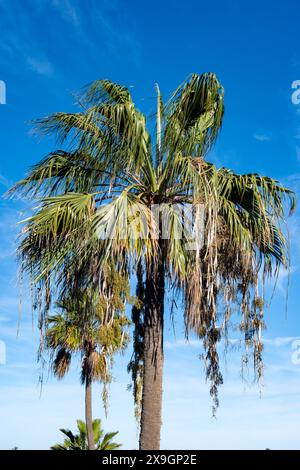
[(165, 214), (80, 441), (81, 328)]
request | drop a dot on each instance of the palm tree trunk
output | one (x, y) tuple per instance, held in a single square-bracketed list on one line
[(153, 357), (88, 413)]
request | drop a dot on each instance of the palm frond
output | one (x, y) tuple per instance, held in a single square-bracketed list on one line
[(62, 172), (194, 116), (61, 363)]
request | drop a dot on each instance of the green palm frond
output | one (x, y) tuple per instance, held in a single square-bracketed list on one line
[(79, 441), (111, 127), (107, 443), (62, 172), (82, 127), (61, 363), (195, 113), (98, 431), (63, 331), (101, 91), (48, 238), (63, 213), (126, 224)]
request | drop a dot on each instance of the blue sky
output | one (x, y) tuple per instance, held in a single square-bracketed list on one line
[(49, 49)]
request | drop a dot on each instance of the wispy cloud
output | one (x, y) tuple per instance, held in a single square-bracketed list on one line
[(68, 11), (42, 67), (108, 22), (5, 182), (19, 40), (298, 153), (262, 137), (278, 341), (94, 32)]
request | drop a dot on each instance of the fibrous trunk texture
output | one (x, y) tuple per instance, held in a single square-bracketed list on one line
[(153, 357), (88, 414)]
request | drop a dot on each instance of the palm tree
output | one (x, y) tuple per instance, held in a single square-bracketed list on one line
[(81, 328), (165, 215), (80, 441)]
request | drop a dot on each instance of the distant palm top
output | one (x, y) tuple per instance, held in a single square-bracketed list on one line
[(79, 441)]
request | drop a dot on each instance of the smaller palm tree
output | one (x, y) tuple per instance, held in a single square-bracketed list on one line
[(80, 441), (83, 328)]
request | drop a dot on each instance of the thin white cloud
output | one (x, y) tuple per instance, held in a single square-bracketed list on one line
[(293, 180), (109, 26), (68, 11), (298, 153), (5, 182), (276, 341), (19, 41), (42, 67), (181, 343), (262, 137), (281, 340)]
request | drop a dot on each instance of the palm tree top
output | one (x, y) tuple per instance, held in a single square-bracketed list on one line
[(82, 327), (79, 441)]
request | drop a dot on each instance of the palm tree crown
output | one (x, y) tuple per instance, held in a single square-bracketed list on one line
[(79, 441), (80, 328), (94, 326)]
